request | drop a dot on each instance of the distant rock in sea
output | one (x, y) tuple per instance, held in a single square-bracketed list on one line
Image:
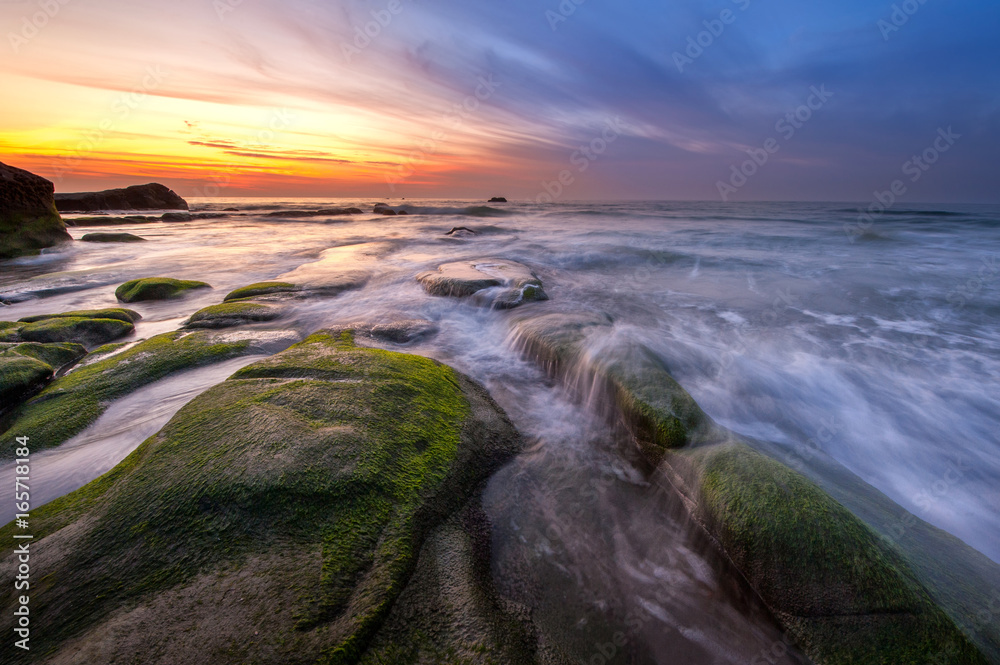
[(111, 237), (498, 199), (29, 220), (153, 196)]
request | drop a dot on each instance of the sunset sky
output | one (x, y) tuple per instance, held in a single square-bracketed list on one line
[(473, 99)]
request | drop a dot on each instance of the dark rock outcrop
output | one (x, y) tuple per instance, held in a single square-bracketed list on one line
[(153, 196), (498, 199), (29, 220), (111, 237)]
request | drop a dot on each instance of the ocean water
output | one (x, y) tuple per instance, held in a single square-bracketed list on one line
[(876, 345)]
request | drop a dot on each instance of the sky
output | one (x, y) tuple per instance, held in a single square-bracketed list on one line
[(531, 99)]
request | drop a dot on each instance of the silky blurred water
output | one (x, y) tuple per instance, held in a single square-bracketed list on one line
[(879, 346)]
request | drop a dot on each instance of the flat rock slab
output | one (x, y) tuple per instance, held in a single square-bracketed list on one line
[(497, 283), (263, 289), (230, 314), (402, 331), (339, 269)]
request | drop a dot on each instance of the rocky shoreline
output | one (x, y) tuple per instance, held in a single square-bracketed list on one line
[(334, 487)]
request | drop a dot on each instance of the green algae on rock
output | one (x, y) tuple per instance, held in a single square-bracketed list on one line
[(261, 289), (82, 330), (156, 288), (630, 377), (232, 314), (307, 483), (119, 313), (74, 401)]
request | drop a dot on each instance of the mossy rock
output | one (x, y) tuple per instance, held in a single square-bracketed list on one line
[(305, 485), (9, 331), (635, 383), (86, 331), (25, 369), (845, 595), (74, 401), (840, 589), (119, 313), (232, 314), (156, 288), (111, 237), (261, 289), (20, 378), (56, 355)]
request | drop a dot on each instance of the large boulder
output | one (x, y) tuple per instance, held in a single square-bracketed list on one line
[(153, 196), (29, 220), (298, 512)]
